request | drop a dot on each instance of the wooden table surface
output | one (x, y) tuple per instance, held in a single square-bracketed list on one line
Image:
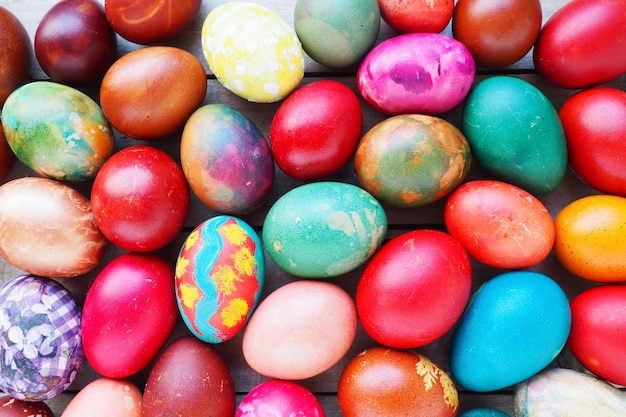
[(324, 386)]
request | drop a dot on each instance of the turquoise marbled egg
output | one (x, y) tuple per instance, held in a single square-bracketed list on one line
[(515, 133), (514, 326), (323, 229)]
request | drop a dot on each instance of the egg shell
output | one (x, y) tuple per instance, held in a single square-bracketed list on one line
[(337, 33), (57, 131), (516, 134), (220, 274), (514, 326), (417, 15), (567, 392), (412, 160), (189, 378), (393, 382), (129, 313), (300, 330), (252, 51), (279, 399), (427, 73), (226, 160), (106, 397), (484, 412), (42, 349), (16, 54), (7, 157), (149, 93), (12, 407), (299, 225), (51, 227)]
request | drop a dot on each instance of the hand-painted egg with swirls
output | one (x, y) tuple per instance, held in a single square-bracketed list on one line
[(220, 273)]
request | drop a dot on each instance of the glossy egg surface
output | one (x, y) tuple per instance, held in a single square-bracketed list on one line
[(417, 15), (279, 398), (12, 407)]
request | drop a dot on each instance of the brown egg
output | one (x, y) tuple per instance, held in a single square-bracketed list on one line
[(6, 155), (189, 378), (11, 407), (497, 33), (105, 397), (16, 54), (388, 382), (47, 228), (150, 92)]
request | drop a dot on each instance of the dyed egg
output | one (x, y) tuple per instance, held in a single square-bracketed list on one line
[(514, 326), (135, 292), (299, 225), (41, 333), (509, 227), (7, 157), (252, 51), (590, 238), (189, 378), (417, 15), (567, 392), (12, 407), (226, 160), (16, 54), (433, 267), (337, 33), (426, 73), (388, 382), (595, 338), (484, 412), (51, 228), (57, 131), (105, 397), (412, 160), (300, 330), (220, 273), (279, 399), (515, 133)]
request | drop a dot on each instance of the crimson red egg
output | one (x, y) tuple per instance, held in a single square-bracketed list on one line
[(315, 131), (129, 313), (279, 398), (140, 198), (417, 15)]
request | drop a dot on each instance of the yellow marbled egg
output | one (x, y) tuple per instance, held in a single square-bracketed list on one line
[(252, 51)]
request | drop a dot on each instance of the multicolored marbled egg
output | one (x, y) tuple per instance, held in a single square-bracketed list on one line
[(57, 131), (252, 51), (220, 273)]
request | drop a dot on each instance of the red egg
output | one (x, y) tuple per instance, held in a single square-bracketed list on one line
[(315, 131), (74, 42), (140, 198), (431, 266), (11, 407), (16, 54), (597, 336), (278, 398), (417, 15), (7, 157), (130, 311)]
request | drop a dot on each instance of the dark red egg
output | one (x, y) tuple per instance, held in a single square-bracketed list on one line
[(12, 407), (7, 157), (16, 54)]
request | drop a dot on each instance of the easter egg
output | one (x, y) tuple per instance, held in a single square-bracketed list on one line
[(595, 338), (47, 228), (589, 239), (135, 292), (149, 93), (299, 225), (7, 157), (300, 330), (390, 382), (417, 15), (484, 412), (433, 267), (337, 33), (426, 73), (514, 326), (315, 131), (252, 51), (220, 273), (279, 399), (189, 378), (57, 131), (515, 133), (226, 160), (16, 54), (41, 333), (510, 228), (412, 160), (106, 397), (12, 407)]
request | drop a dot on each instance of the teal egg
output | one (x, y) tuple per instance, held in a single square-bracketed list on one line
[(57, 131), (515, 133), (337, 33), (323, 229), (514, 326), (484, 412)]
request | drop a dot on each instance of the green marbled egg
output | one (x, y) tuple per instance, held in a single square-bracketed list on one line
[(323, 229), (57, 131)]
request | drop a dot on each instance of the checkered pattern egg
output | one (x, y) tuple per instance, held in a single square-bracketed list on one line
[(40, 338), (252, 51)]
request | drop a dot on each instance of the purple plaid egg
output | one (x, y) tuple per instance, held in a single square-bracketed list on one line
[(40, 335)]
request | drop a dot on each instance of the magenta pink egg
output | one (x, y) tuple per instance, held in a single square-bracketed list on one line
[(276, 398)]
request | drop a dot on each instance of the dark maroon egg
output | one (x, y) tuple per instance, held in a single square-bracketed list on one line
[(6, 155), (16, 54), (12, 407)]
